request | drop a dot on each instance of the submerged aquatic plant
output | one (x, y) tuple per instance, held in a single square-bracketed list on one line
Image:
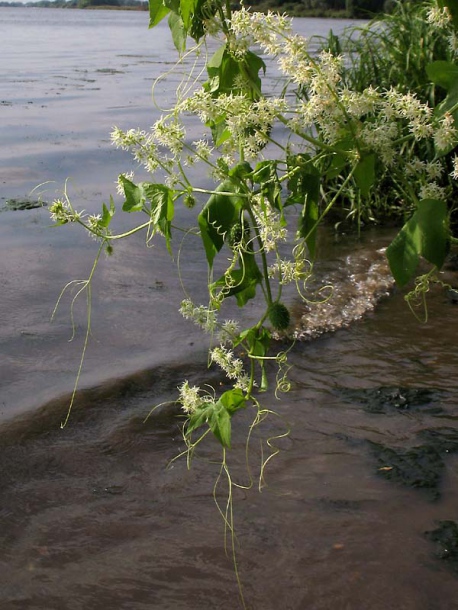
[(279, 164)]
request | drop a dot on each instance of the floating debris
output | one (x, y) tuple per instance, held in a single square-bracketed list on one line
[(24, 204)]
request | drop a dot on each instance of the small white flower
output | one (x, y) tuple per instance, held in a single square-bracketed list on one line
[(203, 149), (432, 191), (62, 211), (438, 17), (226, 360), (229, 330), (170, 133), (270, 226), (288, 271), (191, 397), (454, 172), (201, 316), (446, 134)]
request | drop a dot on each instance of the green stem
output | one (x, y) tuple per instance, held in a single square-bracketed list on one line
[(268, 291), (330, 204), (87, 286), (314, 141)]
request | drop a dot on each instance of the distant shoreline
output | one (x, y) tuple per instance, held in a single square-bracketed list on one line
[(291, 9)]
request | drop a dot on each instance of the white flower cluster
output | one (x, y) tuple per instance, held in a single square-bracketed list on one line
[(454, 172), (201, 316), (433, 170), (252, 28), (270, 225), (169, 133), (438, 17), (293, 59), (140, 143), (359, 104), (287, 271), (192, 397), (432, 191), (232, 366), (62, 212), (248, 123), (228, 332), (446, 135)]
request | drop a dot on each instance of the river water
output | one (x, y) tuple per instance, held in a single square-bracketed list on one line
[(91, 516)]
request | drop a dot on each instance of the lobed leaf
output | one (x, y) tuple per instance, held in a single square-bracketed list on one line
[(157, 12), (135, 195), (220, 212), (364, 174), (426, 234)]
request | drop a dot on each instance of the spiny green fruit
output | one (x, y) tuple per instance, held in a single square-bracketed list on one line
[(189, 201), (239, 235), (235, 235), (279, 316)]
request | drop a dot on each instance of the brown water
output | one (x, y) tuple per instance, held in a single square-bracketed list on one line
[(94, 516)]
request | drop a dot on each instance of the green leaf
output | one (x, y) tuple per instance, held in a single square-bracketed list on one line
[(233, 400), (218, 215), (450, 102), (308, 224), (338, 162), (162, 209), (220, 425), (135, 195), (218, 415), (364, 174), (200, 417), (403, 253), (251, 65), (107, 213), (304, 185), (225, 73), (432, 218), (203, 11), (215, 70), (256, 340), (244, 280), (242, 171), (187, 8), (178, 31), (157, 12), (425, 234), (304, 181), (443, 73), (265, 174)]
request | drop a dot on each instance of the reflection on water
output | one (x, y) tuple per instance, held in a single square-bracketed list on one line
[(91, 517)]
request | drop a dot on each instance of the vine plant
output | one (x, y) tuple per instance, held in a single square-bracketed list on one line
[(270, 155)]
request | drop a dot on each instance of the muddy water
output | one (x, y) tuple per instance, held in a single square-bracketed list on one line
[(94, 516)]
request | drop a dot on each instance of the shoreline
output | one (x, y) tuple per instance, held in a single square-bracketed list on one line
[(289, 8)]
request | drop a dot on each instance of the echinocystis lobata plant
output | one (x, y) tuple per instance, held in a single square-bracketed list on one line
[(271, 159)]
